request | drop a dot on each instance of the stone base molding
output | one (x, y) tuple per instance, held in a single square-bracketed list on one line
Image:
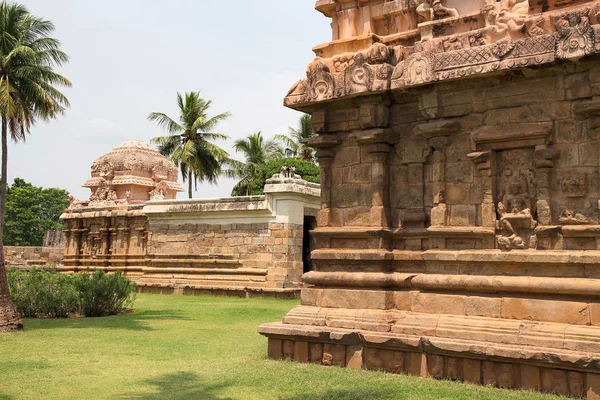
[(516, 359)]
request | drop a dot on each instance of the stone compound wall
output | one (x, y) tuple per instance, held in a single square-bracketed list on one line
[(236, 246), (33, 256), (459, 234), (260, 256), (50, 254)]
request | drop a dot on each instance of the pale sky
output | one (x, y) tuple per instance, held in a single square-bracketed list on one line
[(130, 57)]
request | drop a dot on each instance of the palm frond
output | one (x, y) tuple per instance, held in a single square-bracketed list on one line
[(166, 122)]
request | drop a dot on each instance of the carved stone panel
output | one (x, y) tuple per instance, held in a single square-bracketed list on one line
[(516, 197)]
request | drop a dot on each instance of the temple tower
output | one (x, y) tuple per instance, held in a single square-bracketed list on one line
[(459, 230)]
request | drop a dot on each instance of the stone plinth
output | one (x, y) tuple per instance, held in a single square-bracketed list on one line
[(459, 233)]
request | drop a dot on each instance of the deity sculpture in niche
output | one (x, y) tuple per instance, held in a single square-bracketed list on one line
[(429, 10), (516, 198)]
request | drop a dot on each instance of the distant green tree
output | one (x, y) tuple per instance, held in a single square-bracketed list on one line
[(257, 152), (308, 170), (31, 211), (189, 143), (295, 140)]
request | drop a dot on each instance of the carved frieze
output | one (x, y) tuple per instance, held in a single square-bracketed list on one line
[(510, 37)]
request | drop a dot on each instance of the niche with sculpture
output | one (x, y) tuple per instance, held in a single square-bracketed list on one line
[(516, 198)]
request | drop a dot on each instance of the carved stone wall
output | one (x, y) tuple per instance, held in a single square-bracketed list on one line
[(459, 230)]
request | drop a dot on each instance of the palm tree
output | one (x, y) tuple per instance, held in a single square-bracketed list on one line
[(189, 144), (27, 93), (295, 139), (257, 152)]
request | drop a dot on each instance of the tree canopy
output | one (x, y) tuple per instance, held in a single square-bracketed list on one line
[(31, 211), (189, 143), (28, 93), (308, 170), (295, 140)]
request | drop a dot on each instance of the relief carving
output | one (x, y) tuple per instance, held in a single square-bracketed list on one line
[(104, 169), (418, 69), (574, 36), (103, 195), (569, 217), (516, 198), (575, 185), (509, 19), (321, 83), (507, 37), (429, 10), (359, 77)]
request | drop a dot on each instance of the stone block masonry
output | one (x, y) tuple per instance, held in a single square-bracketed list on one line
[(459, 230), (240, 246)]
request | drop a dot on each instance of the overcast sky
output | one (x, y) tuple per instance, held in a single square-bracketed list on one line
[(130, 57)]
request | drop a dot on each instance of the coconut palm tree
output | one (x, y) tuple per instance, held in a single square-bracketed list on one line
[(294, 140), (257, 152), (189, 140), (28, 93)]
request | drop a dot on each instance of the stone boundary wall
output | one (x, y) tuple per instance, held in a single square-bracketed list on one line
[(33, 256), (242, 246), (270, 252), (232, 245)]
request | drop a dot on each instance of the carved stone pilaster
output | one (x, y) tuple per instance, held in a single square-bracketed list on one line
[(544, 163), (324, 145), (437, 135), (378, 144), (487, 210)]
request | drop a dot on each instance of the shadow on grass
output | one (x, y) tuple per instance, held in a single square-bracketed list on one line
[(136, 321), (5, 397), (179, 386), (341, 394)]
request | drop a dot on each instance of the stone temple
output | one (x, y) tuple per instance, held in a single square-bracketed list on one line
[(241, 246), (459, 230)]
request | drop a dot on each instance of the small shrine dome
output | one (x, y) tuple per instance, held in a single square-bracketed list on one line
[(133, 172)]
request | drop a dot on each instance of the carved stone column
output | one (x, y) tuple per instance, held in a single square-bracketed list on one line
[(483, 164), (544, 163), (324, 145), (437, 135), (378, 144)]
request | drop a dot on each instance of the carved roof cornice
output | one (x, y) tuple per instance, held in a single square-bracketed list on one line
[(494, 39)]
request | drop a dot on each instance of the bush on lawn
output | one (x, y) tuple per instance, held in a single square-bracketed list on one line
[(103, 294), (42, 293)]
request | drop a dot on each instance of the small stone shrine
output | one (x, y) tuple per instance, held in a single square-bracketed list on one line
[(459, 230), (242, 246)]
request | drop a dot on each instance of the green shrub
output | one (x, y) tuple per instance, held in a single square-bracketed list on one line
[(102, 294), (42, 293)]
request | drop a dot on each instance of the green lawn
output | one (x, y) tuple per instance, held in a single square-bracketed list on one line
[(176, 347)]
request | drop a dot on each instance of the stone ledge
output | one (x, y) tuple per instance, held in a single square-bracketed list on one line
[(548, 357), (457, 282), (573, 257)]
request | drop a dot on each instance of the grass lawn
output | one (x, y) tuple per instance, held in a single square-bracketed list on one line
[(176, 347)]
